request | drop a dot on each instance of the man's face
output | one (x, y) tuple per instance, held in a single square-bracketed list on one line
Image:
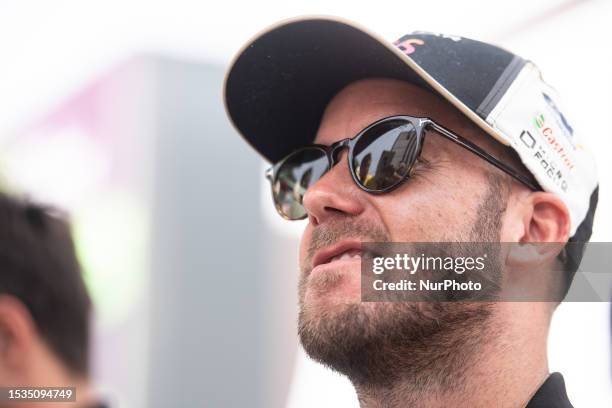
[(439, 202), (449, 197)]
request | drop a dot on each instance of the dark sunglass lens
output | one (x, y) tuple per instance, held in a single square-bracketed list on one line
[(297, 173), (384, 154)]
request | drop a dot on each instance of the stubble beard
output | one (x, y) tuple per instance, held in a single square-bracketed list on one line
[(420, 344)]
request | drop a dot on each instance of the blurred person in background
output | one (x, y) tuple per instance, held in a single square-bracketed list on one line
[(474, 148), (44, 305)]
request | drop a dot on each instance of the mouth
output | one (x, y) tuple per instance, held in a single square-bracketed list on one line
[(343, 251)]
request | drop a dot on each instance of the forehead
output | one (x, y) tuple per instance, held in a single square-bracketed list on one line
[(363, 102)]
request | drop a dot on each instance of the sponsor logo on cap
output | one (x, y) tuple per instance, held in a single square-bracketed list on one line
[(561, 120), (541, 154), (550, 137), (539, 121), (407, 45)]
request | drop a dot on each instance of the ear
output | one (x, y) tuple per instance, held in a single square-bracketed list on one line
[(17, 331), (542, 233), (545, 219)]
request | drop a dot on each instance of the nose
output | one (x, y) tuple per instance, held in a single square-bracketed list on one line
[(334, 194)]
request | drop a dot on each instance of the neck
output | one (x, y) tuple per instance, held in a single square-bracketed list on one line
[(505, 371)]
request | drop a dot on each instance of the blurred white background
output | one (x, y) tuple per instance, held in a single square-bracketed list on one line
[(52, 51)]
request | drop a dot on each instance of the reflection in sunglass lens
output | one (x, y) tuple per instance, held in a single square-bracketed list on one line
[(384, 154), (297, 173)]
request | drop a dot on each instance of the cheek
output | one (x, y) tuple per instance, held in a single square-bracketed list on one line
[(429, 210)]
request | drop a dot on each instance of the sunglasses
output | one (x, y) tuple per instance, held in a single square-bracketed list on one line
[(380, 158)]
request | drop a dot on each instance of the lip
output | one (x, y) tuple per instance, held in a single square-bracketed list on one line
[(325, 254)]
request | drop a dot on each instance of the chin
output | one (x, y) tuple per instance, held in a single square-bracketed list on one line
[(332, 285)]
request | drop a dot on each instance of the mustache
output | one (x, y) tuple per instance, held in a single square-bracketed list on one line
[(340, 229)]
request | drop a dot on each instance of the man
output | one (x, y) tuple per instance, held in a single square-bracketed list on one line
[(433, 139), (44, 308)]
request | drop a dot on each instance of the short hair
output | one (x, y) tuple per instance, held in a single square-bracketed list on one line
[(38, 266)]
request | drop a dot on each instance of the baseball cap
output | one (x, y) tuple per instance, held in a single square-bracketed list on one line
[(279, 84)]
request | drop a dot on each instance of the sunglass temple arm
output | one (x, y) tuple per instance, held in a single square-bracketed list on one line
[(483, 154)]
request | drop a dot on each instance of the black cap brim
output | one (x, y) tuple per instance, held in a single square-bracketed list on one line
[(280, 83)]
